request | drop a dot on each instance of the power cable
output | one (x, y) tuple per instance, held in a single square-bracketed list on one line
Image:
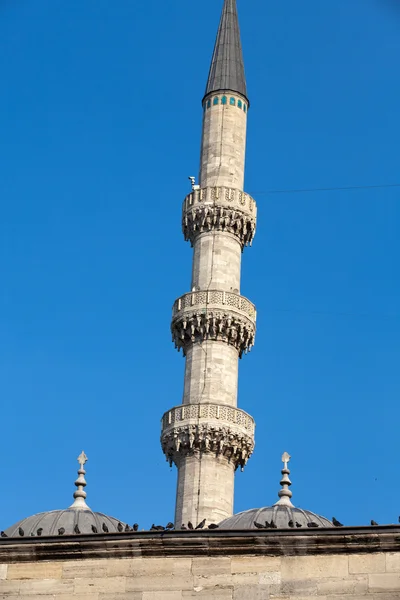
[(326, 189)]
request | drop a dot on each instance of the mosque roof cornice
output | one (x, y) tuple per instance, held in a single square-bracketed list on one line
[(277, 542)]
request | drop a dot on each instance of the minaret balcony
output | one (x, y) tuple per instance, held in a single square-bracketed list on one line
[(225, 431), (222, 209), (214, 315)]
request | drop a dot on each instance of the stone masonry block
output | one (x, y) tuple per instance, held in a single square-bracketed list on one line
[(51, 596), (367, 563), (353, 585), (209, 594), (251, 592), (384, 582), (162, 596), (37, 587), (212, 580), (242, 579), (314, 567), (349, 597), (299, 587), (84, 568), (211, 566), (3, 571), (148, 566), (299, 597), (392, 562), (9, 588), (86, 585), (159, 583), (94, 596), (122, 596), (255, 564), (42, 570), (269, 578)]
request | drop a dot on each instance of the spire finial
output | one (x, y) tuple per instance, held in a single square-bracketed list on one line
[(80, 483), (285, 494)]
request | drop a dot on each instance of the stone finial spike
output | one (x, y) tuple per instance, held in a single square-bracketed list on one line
[(285, 459), (80, 494), (285, 494)]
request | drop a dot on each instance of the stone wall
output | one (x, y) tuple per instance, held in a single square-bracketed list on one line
[(372, 576), (223, 144)]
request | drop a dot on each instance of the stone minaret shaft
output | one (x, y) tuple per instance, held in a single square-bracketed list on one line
[(208, 437)]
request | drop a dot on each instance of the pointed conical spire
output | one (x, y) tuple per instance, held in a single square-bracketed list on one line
[(227, 68)]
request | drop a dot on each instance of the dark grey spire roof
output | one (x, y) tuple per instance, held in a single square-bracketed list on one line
[(227, 68)]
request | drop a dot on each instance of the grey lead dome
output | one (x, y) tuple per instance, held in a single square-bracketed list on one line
[(281, 513), (75, 520), (50, 522)]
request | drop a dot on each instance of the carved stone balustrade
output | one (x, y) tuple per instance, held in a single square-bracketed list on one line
[(221, 209), (207, 428), (213, 315)]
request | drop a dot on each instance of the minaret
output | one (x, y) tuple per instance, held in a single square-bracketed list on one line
[(207, 436)]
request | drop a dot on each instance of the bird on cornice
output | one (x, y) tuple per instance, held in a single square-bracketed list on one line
[(201, 525)]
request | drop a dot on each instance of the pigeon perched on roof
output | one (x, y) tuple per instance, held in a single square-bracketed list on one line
[(61, 531), (201, 525), (336, 523)]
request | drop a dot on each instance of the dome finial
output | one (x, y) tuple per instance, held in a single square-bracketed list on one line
[(80, 483), (285, 494)]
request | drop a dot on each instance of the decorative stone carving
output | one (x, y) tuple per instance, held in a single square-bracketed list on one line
[(221, 209), (215, 299), (213, 315), (215, 412), (195, 428)]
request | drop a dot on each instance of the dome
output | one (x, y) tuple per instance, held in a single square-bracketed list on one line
[(282, 515), (75, 520), (70, 520)]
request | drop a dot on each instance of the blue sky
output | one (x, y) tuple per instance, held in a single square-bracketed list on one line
[(100, 119)]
